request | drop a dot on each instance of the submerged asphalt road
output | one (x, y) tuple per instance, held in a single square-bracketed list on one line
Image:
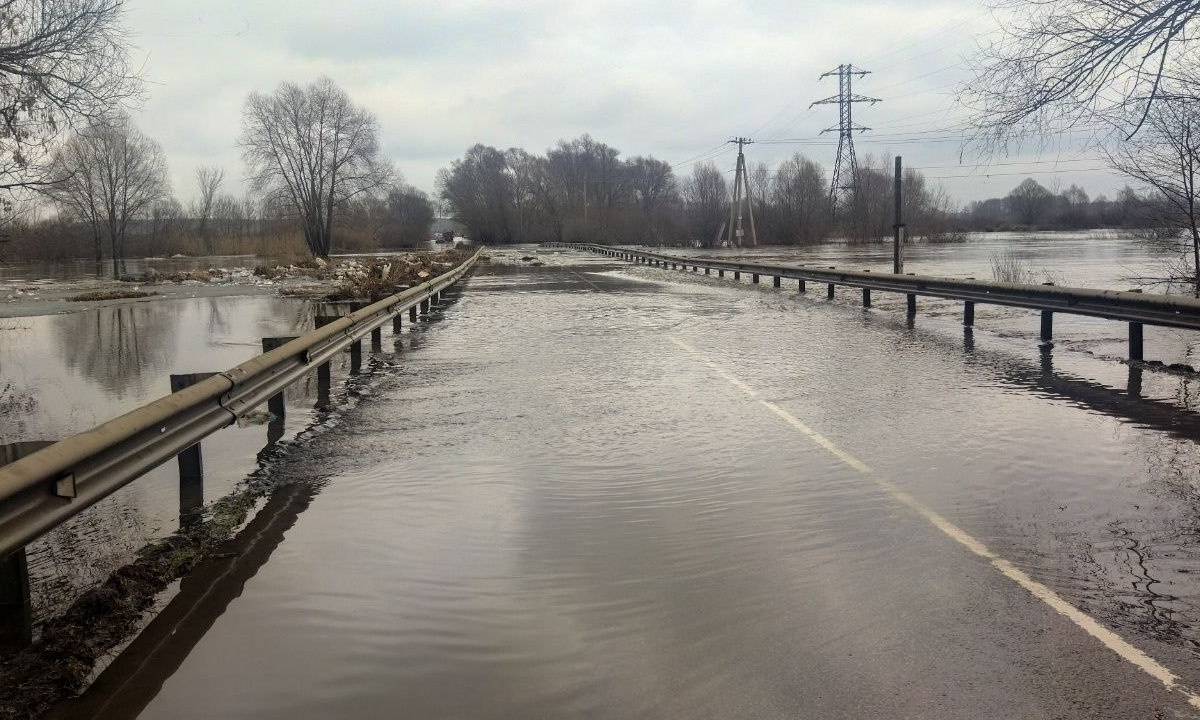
[(595, 490)]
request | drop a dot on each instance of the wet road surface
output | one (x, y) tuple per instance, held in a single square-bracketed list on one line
[(590, 489)]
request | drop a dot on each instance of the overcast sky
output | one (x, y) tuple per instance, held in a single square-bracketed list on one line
[(669, 79)]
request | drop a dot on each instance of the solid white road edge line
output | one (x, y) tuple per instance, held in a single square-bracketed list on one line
[(1087, 623)]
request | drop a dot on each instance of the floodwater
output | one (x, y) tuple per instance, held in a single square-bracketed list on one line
[(603, 490), (1096, 258), (62, 374), (80, 268)]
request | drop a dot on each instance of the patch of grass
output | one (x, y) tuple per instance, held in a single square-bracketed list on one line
[(108, 295), (1008, 267)]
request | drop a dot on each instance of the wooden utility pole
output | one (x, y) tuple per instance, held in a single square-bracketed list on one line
[(898, 227), (741, 180)]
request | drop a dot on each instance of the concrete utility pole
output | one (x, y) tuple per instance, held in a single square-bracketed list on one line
[(898, 226), (741, 180), (845, 169)]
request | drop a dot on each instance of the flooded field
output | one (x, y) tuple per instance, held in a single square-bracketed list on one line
[(1098, 258), (577, 492)]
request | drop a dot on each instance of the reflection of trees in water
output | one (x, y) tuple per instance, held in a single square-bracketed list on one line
[(1137, 568), (1142, 569), (15, 405), (218, 324), (114, 346)]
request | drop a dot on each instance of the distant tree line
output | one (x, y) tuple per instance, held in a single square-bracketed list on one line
[(582, 190), (1032, 206)]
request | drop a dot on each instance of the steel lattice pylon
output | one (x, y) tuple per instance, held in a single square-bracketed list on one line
[(845, 168)]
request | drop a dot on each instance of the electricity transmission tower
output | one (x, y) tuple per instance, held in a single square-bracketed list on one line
[(845, 169), (741, 181)]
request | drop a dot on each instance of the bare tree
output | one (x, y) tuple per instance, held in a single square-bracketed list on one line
[(479, 190), (706, 199), (313, 149), (63, 63), (408, 216), (1076, 63), (106, 176), (165, 217), (208, 182), (1166, 157), (654, 190), (1029, 202), (799, 212)]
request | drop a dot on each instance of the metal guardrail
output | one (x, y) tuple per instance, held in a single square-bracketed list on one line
[(1134, 307), (43, 489)]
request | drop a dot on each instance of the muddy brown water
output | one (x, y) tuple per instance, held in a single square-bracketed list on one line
[(555, 503)]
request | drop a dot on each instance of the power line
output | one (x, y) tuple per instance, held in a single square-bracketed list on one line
[(1007, 174), (990, 174), (1008, 164), (708, 155), (943, 29)]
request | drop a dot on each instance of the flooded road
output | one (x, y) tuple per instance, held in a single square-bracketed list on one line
[(593, 489)]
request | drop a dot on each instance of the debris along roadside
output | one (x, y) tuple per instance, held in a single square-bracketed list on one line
[(377, 278), (351, 277)]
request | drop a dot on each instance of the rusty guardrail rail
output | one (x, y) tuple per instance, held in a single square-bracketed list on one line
[(41, 490), (1134, 307)]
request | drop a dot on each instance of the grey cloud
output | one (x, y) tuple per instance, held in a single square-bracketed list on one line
[(649, 77)]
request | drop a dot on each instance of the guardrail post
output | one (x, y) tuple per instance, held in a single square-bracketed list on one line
[(377, 340), (829, 293), (720, 273), (355, 356), (397, 323), (323, 378), (778, 281), (412, 314), (912, 304), (191, 463), (1047, 326), (1135, 341), (737, 275), (275, 403), (800, 287), (16, 610), (754, 278), (1133, 386), (866, 297), (969, 313)]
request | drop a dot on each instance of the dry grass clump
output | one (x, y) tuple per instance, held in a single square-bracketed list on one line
[(108, 295)]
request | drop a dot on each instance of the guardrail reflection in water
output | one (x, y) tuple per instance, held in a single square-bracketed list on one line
[(42, 488), (1134, 307)]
